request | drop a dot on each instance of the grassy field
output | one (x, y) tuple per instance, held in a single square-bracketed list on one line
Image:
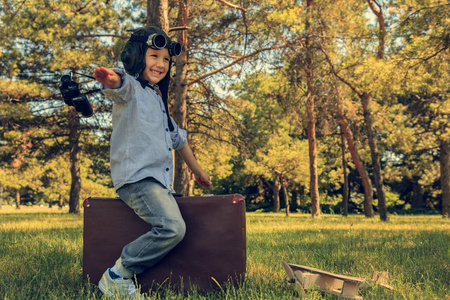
[(41, 255)]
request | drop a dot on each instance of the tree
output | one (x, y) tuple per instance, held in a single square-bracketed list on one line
[(364, 87), (311, 94), (37, 52), (345, 189), (1, 195), (182, 181), (347, 133), (213, 35), (421, 60), (157, 14), (390, 60), (19, 165), (271, 152), (366, 103), (296, 26), (445, 177)]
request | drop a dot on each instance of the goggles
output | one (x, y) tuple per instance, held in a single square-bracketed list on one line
[(158, 42)]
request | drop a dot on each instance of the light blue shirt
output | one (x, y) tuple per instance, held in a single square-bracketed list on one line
[(141, 142)]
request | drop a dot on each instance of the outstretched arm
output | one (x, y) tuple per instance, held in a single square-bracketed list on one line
[(201, 176), (107, 77)]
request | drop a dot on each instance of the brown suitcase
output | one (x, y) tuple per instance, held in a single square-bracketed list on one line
[(212, 252)]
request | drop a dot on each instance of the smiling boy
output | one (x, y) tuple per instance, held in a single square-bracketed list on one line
[(142, 141), (157, 66)]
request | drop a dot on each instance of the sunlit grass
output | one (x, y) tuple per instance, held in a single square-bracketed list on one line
[(41, 255), (413, 250)]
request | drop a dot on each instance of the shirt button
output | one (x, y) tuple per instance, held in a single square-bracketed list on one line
[(167, 129), (164, 111), (167, 169), (170, 149)]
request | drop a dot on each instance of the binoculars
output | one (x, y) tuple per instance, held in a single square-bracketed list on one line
[(71, 94)]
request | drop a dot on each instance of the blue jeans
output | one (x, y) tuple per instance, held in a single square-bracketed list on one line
[(153, 203)]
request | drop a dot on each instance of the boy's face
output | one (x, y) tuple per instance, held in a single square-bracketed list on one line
[(156, 65)]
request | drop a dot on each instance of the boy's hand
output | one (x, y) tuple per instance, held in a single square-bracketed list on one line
[(203, 179), (201, 176), (107, 77)]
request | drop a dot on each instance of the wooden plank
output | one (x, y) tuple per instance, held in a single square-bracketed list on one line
[(340, 285), (380, 278), (326, 282), (309, 278), (333, 275), (293, 279), (350, 290), (289, 271)]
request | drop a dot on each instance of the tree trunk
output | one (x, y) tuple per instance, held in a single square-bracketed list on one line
[(294, 200), (377, 173), (261, 190), (368, 190), (276, 187), (286, 198), (345, 192), (445, 177), (1, 196), (157, 14), (60, 202), (191, 185), (314, 177), (182, 172), (309, 70), (181, 183), (17, 199), (417, 197), (75, 187), (366, 100)]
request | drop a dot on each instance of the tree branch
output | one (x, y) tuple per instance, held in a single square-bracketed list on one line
[(179, 28), (233, 6), (377, 10), (343, 80), (96, 35), (244, 17), (242, 58)]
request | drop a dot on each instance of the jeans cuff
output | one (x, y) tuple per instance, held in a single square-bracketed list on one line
[(122, 270)]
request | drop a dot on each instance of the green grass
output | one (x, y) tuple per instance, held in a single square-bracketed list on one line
[(41, 255)]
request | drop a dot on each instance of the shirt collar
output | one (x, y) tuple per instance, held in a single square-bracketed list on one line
[(144, 83)]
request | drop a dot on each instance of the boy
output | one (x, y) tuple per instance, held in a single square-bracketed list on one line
[(141, 153)]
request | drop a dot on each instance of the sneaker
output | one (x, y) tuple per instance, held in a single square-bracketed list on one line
[(111, 285)]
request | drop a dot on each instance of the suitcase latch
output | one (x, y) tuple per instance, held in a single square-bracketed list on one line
[(237, 198)]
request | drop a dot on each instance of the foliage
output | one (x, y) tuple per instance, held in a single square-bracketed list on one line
[(271, 148), (246, 94), (41, 41), (49, 182)]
